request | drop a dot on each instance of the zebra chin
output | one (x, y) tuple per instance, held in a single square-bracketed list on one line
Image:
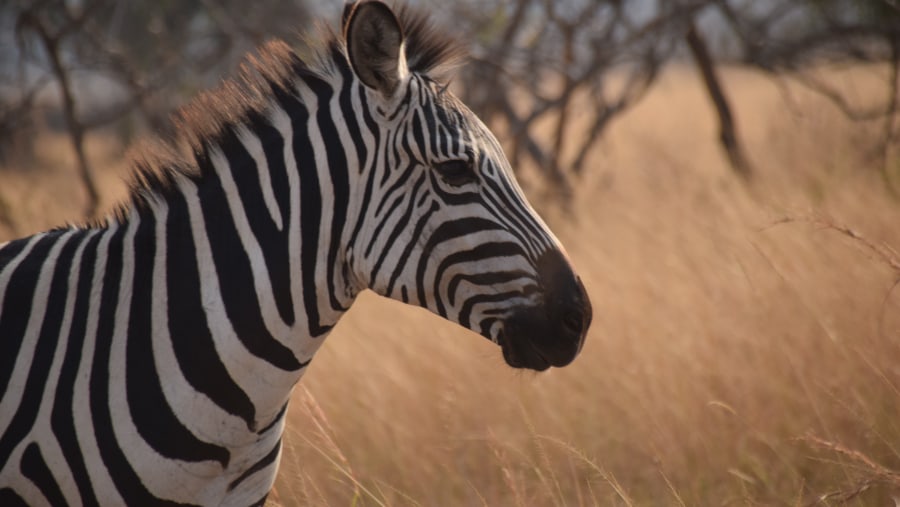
[(552, 333)]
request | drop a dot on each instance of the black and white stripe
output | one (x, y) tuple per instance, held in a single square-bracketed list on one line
[(149, 359)]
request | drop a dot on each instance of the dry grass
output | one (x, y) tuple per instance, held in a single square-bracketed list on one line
[(745, 348)]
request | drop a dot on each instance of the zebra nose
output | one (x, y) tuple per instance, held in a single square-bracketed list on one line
[(572, 322), (578, 319), (568, 305), (552, 333)]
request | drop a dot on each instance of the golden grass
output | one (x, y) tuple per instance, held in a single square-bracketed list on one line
[(745, 347)]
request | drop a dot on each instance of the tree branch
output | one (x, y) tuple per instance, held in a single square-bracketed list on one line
[(76, 129), (727, 130)]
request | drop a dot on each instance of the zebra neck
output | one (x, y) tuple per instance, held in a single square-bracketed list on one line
[(245, 281), (255, 241), (275, 198)]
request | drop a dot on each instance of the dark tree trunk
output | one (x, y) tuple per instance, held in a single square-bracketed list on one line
[(727, 132)]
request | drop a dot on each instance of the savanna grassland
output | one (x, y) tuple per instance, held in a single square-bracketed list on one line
[(745, 348)]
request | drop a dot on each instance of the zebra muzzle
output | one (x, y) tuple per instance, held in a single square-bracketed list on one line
[(551, 333)]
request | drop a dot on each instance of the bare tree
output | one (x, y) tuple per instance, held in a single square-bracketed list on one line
[(51, 40), (551, 58), (567, 67), (144, 56), (538, 59), (788, 38)]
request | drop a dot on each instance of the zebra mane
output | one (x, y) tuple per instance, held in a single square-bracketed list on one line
[(214, 115)]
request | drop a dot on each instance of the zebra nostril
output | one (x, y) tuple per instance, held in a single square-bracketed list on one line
[(573, 322)]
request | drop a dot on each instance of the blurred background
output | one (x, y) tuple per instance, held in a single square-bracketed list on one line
[(724, 173)]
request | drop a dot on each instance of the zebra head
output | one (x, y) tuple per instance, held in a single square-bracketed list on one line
[(446, 226)]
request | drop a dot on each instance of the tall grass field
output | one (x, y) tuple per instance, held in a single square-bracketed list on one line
[(745, 347)]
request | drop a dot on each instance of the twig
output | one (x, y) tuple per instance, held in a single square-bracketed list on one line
[(883, 252), (876, 473), (839, 101)]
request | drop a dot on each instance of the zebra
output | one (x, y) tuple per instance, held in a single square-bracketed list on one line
[(149, 358)]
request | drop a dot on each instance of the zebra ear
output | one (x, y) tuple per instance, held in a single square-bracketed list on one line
[(375, 46)]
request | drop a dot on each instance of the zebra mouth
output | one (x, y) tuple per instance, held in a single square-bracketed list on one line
[(521, 354), (532, 343), (552, 332)]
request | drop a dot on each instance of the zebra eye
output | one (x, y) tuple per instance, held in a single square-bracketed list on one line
[(456, 172)]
